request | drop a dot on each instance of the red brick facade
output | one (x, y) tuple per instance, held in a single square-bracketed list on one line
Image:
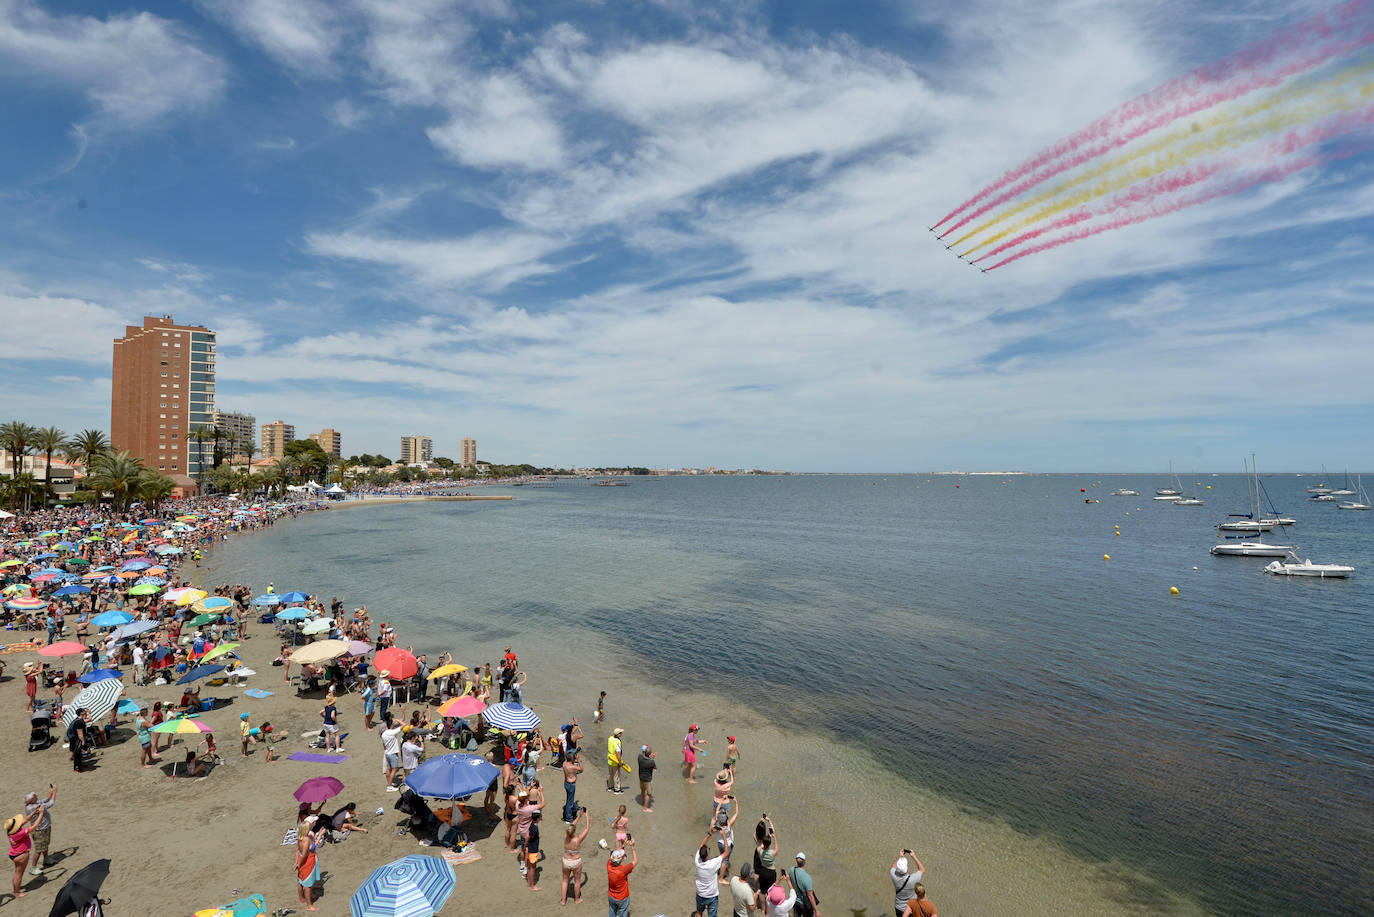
[(162, 386)]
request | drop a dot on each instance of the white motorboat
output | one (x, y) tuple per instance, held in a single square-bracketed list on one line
[(1247, 525), (1252, 549), (1188, 501), (1324, 498), (1169, 498), (1123, 492), (1279, 520), (1307, 568)]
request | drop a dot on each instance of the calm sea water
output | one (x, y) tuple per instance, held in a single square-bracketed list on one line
[(972, 638)]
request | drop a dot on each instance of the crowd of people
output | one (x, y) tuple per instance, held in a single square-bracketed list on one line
[(164, 635)]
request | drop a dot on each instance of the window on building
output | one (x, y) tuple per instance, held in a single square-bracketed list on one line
[(164, 334), (176, 375), (164, 385), (164, 375), (176, 385), (161, 467), (163, 416)]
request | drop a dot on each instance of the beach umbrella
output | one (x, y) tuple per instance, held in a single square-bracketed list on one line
[(64, 648), (128, 574), (42, 578), (266, 599), (453, 776), (359, 648), (318, 626), (181, 726), (210, 603), (199, 672), (150, 521), (323, 651), (111, 580), (294, 614), (189, 517), (202, 619), (413, 886), (78, 562), (133, 629), (99, 698), (293, 598), (112, 618), (318, 789), (91, 678), (12, 562), (103, 569), (146, 580), (461, 706), (219, 651), (134, 565), (174, 594), (512, 716), (145, 589), (397, 662), (80, 889), (46, 571), (190, 598), (164, 549), (65, 545), (129, 705), (26, 603), (72, 590), (14, 588), (446, 670)]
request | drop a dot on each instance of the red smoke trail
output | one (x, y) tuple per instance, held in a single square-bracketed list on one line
[(1337, 21), (1291, 142), (1163, 118)]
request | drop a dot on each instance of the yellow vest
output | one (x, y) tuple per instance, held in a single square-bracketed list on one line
[(612, 750)]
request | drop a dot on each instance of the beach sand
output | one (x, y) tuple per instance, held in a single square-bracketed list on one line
[(181, 845)]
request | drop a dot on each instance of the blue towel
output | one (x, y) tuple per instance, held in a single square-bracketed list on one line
[(258, 693)]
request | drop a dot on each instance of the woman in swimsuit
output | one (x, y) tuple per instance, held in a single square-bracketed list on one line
[(725, 781), (572, 857), (511, 802), (307, 864), (621, 826)]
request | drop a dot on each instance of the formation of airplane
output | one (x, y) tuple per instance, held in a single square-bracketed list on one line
[(981, 270)]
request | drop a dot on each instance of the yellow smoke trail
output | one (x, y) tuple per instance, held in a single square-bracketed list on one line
[(1330, 97)]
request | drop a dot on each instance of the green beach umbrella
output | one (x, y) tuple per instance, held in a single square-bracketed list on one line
[(79, 561), (202, 619), (144, 589)]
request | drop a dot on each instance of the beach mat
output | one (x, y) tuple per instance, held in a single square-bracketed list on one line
[(258, 693), (459, 857), (316, 759), (292, 835)]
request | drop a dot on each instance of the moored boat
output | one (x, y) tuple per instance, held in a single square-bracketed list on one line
[(1252, 549), (1307, 568)]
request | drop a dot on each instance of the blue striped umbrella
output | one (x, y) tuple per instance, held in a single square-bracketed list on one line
[(413, 886), (91, 678), (515, 717), (267, 599), (292, 598)]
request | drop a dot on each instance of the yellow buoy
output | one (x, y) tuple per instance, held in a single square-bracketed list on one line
[(1173, 590), (1209, 486), (1118, 533), (1195, 569), (1106, 557)]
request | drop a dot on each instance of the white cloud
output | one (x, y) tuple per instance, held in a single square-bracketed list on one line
[(487, 260), (134, 67), (58, 328), (497, 122), (346, 115), (281, 145), (302, 35)]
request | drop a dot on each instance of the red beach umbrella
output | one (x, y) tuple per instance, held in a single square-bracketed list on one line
[(396, 661)]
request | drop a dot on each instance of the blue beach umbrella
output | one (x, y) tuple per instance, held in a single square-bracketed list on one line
[(292, 598), (112, 618), (135, 565), (515, 717), (129, 705), (199, 672), (91, 678), (215, 601), (110, 580), (150, 581), (167, 549), (267, 599), (453, 776), (293, 614), (72, 590), (47, 556), (413, 886)]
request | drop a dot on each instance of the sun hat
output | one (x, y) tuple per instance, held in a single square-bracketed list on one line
[(617, 731), (644, 748), (693, 728), (902, 866), (243, 716), (775, 895), (12, 823), (617, 855), (723, 776)]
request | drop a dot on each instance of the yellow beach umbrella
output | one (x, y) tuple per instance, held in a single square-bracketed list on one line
[(445, 670), (191, 597)]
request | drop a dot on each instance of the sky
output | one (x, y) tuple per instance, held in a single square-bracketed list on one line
[(664, 233)]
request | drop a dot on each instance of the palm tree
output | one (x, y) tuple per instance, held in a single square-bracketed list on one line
[(17, 437), (47, 441), (120, 474), (271, 476), (199, 434), (23, 486), (219, 435), (250, 449), (155, 487), (88, 444)]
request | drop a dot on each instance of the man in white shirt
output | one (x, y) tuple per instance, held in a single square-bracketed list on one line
[(140, 673), (904, 880), (710, 870), (391, 752), (743, 891)]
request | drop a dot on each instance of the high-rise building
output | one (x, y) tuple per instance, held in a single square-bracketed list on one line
[(275, 436), (162, 386), (241, 428), (416, 449), (469, 454), (330, 441)]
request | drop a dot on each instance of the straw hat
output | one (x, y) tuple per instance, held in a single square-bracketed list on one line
[(29, 667), (723, 776), (12, 823)]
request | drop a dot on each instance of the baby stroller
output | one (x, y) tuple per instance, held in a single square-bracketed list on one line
[(40, 727), (420, 817)]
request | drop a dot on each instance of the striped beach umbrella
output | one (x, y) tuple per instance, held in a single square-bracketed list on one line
[(413, 886), (515, 717), (134, 629), (318, 626), (181, 726), (26, 603), (100, 698)]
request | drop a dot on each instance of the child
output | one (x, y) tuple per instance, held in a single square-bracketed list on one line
[(600, 708)]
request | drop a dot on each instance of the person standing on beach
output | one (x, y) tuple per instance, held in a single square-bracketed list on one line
[(391, 750), (572, 858), (40, 833), (572, 734), (369, 695), (600, 708), (691, 745), (618, 881), (383, 693), (613, 746), (731, 754), (572, 766), (917, 905), (330, 716), (422, 674), (19, 828), (307, 863), (904, 880), (746, 897), (647, 766), (808, 905), (709, 871)]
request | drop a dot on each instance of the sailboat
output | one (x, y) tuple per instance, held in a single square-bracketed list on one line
[(1344, 491), (1169, 494), (1194, 500), (1361, 503), (1247, 548), (1319, 488)]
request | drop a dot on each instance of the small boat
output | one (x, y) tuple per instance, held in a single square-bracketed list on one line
[(1123, 492), (1169, 498), (1361, 501), (1324, 498), (1252, 549), (1307, 568), (1188, 501), (1168, 492)]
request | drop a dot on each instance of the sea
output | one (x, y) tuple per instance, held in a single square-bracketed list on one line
[(993, 670)]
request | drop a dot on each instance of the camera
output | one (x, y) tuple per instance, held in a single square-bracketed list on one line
[(581, 808)]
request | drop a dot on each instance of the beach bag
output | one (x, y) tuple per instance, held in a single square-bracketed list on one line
[(803, 907)]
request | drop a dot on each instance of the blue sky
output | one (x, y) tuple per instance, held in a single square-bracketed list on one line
[(663, 233)]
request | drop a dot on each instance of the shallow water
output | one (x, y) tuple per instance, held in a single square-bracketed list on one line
[(915, 664)]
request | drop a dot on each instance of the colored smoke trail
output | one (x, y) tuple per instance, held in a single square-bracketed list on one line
[(1338, 21), (1295, 140), (1266, 81), (1230, 134), (1190, 130)]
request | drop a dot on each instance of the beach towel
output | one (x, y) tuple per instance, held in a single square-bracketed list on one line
[(257, 693), (316, 759), (292, 835), (459, 857)]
